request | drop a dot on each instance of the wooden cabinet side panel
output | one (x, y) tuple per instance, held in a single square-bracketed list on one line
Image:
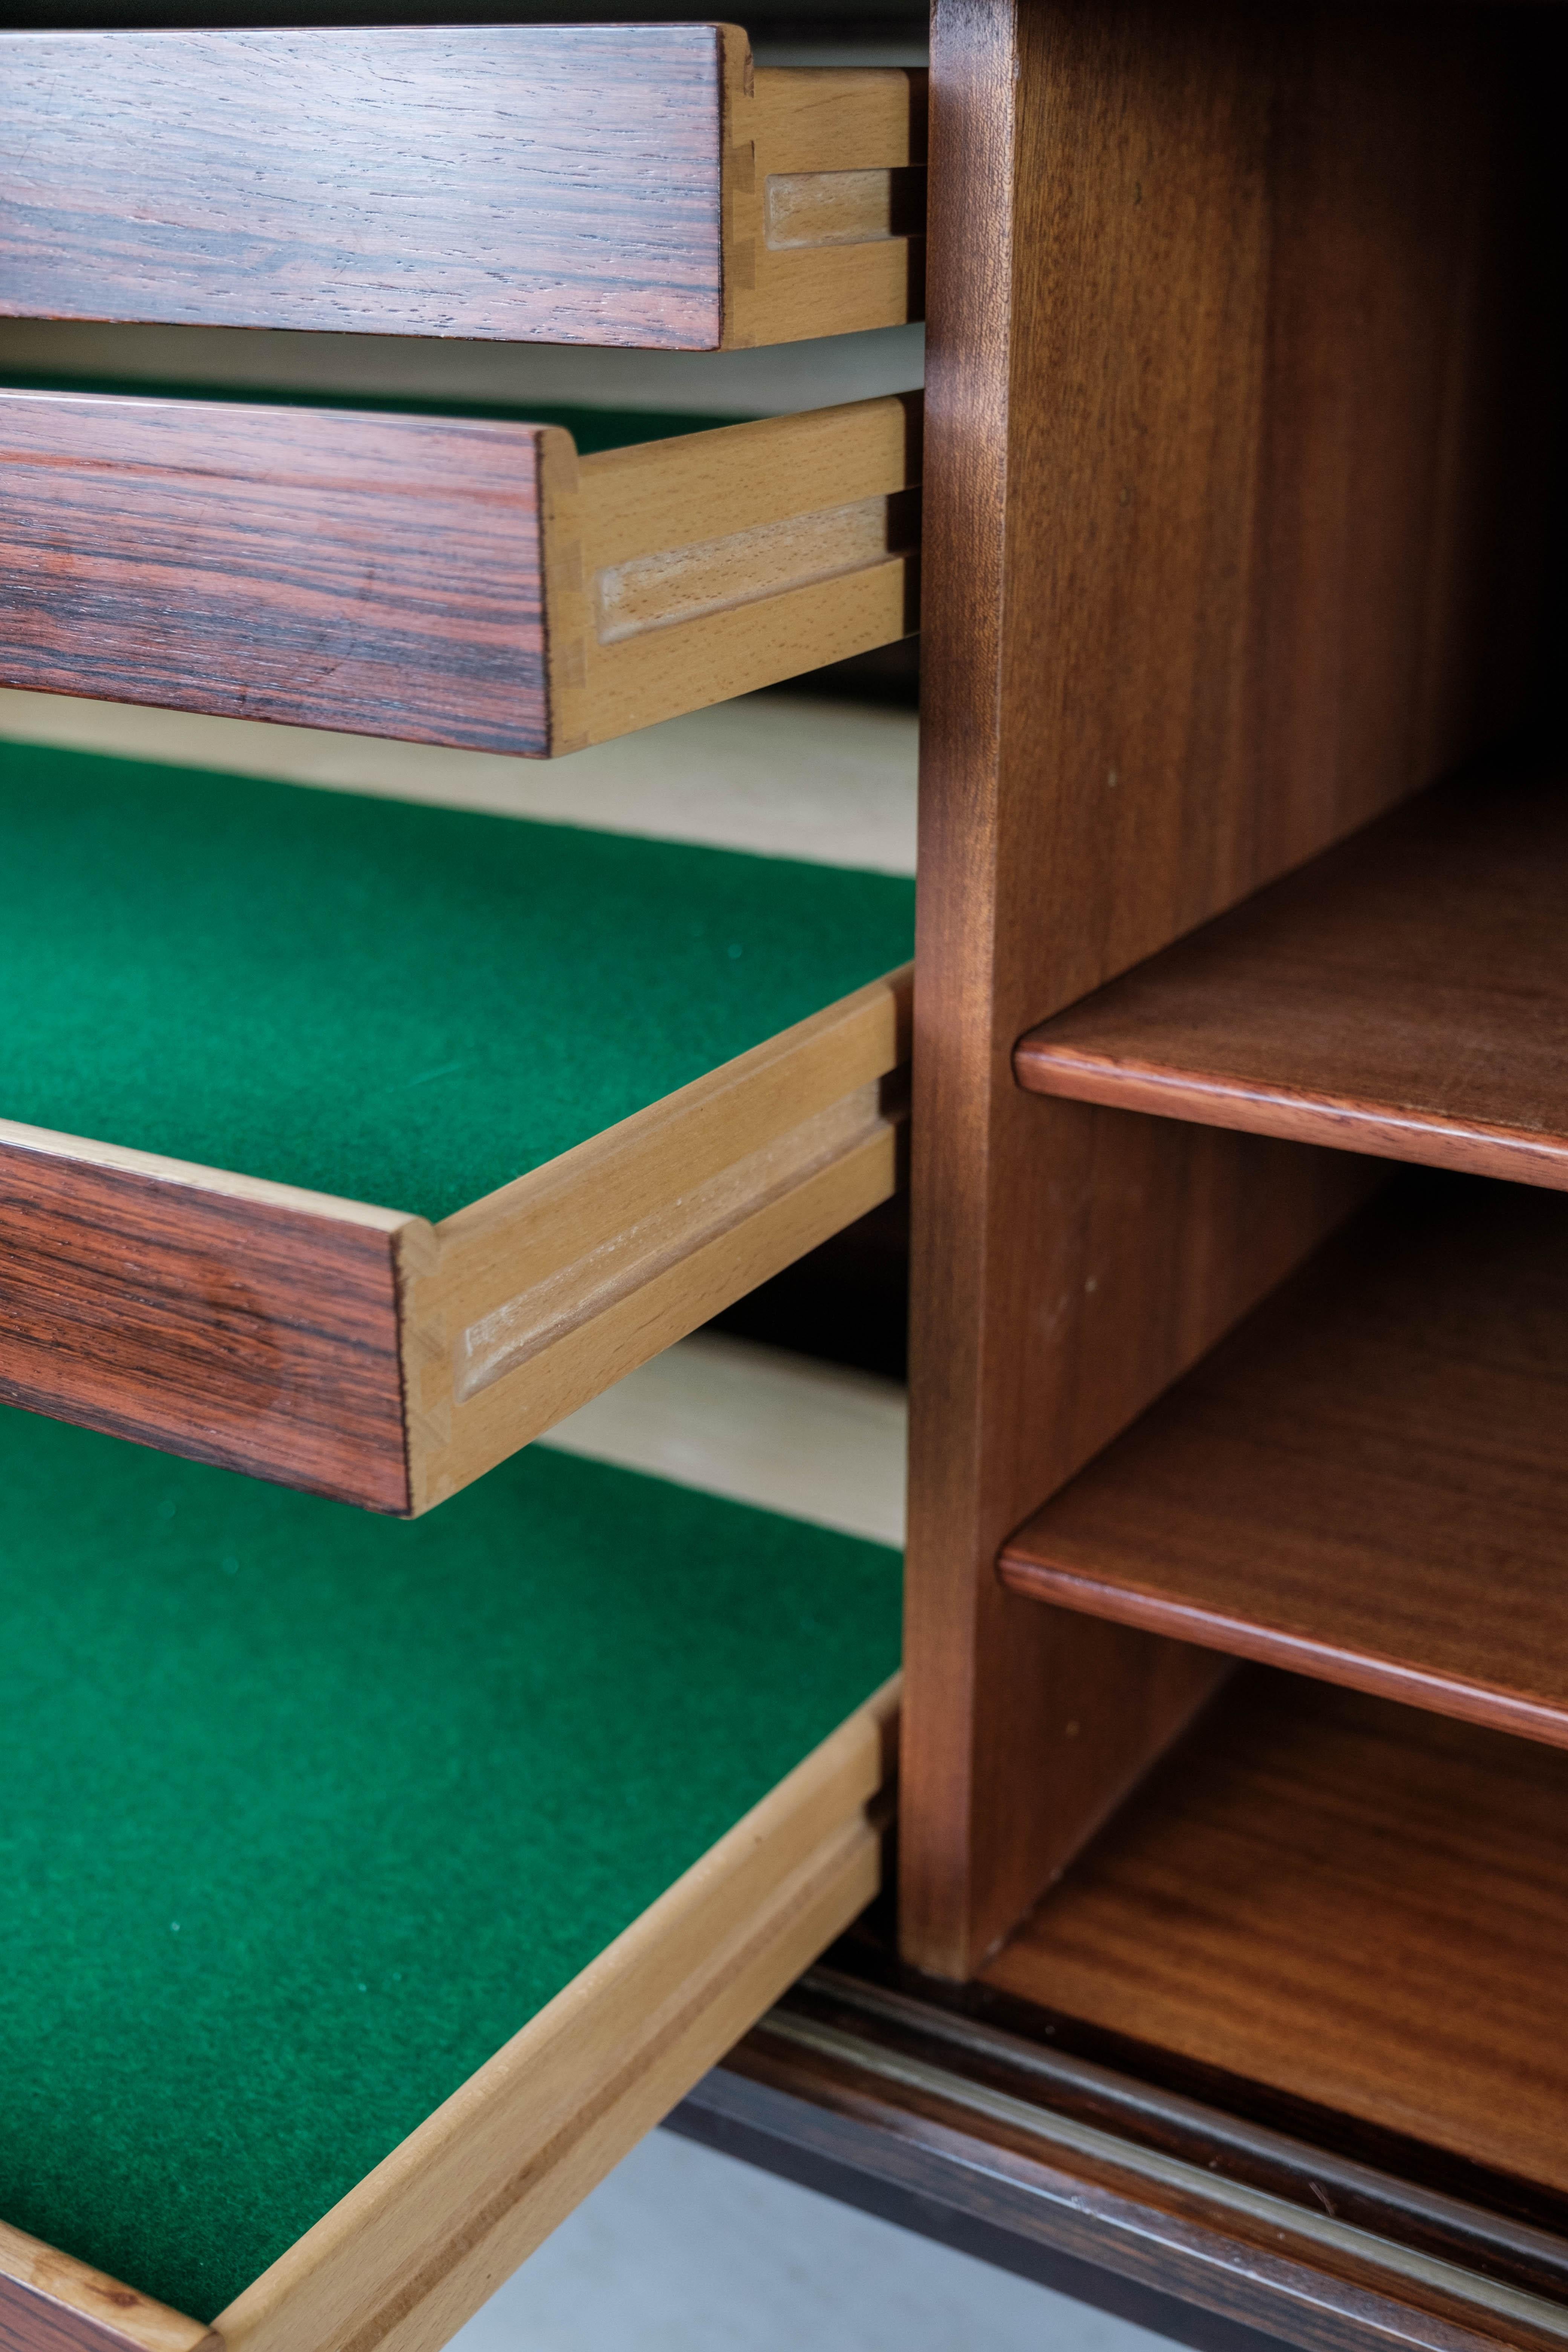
[(324, 568), (557, 184), (1213, 363), (258, 1336)]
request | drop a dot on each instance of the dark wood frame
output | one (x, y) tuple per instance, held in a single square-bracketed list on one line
[(1025, 2143), (1235, 513), (1226, 551)]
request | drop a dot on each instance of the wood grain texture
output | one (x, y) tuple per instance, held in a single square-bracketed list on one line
[(1179, 2218), (847, 260), (361, 1353), (715, 563), (439, 579), (1361, 1905), (1367, 1482), (325, 567), (525, 1305), (48, 2303), (228, 1321), (1220, 561), (559, 184), (1407, 994), (426, 2237), (550, 183)]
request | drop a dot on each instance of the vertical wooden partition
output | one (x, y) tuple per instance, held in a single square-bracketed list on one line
[(1222, 555)]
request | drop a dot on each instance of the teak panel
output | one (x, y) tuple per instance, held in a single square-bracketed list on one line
[(1361, 1905), (230, 1322), (444, 580), (559, 183), (1407, 994), (1367, 1482), (1221, 561)]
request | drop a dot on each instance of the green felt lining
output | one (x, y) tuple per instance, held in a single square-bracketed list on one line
[(392, 1002), (307, 1812), (591, 428)]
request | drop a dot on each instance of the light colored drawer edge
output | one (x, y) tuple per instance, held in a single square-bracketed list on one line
[(520, 1308), (412, 2252), (680, 573), (824, 199)]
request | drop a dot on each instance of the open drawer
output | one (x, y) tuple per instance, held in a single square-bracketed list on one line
[(449, 580), (391, 1880), (633, 183), (616, 1082)]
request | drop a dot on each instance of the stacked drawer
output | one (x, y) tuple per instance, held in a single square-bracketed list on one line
[(350, 1146)]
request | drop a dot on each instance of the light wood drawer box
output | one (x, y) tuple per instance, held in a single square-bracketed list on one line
[(457, 1854), (444, 580), (632, 185), (620, 1081)]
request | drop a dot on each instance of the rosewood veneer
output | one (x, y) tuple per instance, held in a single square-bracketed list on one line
[(441, 579), (351, 1144), (633, 183), (1200, 2206), (362, 1352)]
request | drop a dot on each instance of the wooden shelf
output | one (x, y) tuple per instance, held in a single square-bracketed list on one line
[(1361, 1906), (243, 1014), (630, 184), (1405, 995), (1368, 1480), (458, 1853), (445, 580)]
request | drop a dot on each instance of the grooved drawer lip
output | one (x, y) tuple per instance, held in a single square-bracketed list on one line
[(625, 1080), (559, 184)]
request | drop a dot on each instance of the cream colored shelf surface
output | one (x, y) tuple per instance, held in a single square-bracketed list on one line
[(761, 1425), (783, 775)]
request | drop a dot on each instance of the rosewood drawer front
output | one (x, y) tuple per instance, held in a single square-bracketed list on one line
[(353, 1144), (634, 185), (444, 580), (363, 1353)]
